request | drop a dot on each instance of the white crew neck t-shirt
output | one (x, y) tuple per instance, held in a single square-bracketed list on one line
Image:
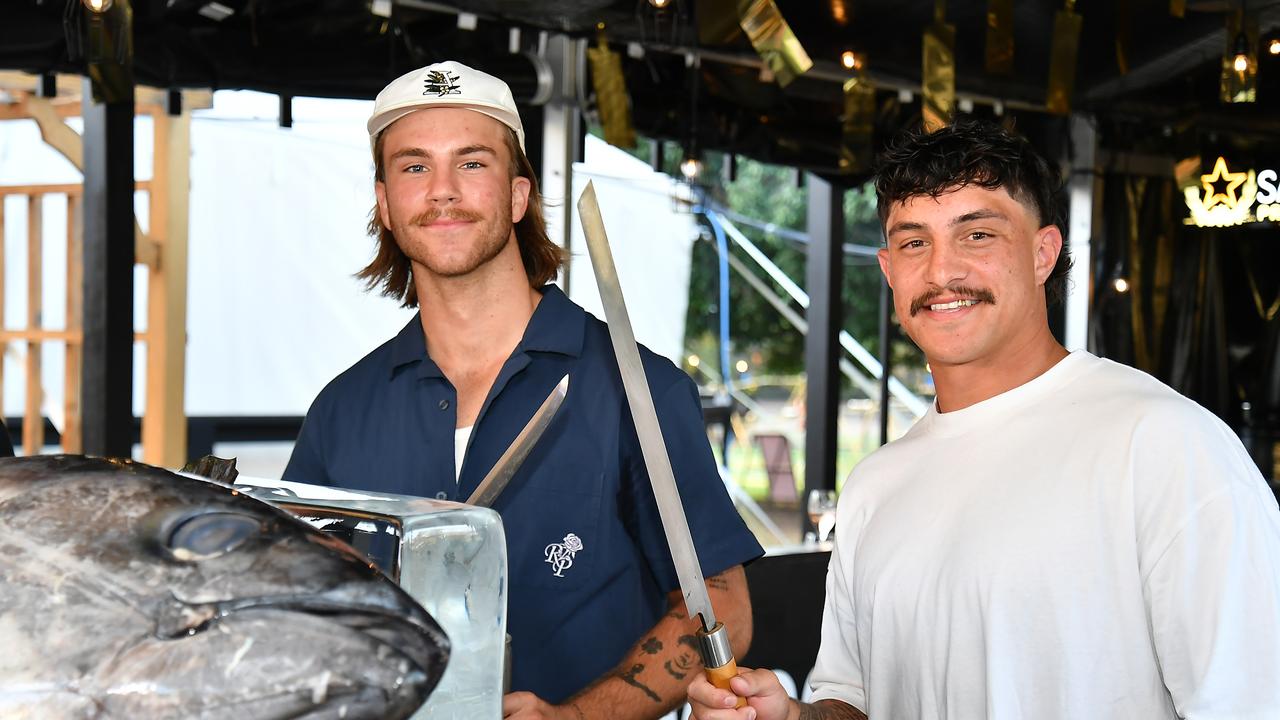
[(1090, 544)]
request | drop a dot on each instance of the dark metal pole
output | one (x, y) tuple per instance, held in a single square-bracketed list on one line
[(657, 157), (886, 355), (107, 385), (47, 87), (286, 111), (824, 280)]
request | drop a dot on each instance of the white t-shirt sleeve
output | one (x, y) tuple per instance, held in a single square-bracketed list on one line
[(837, 672), (1214, 603), (1211, 563)]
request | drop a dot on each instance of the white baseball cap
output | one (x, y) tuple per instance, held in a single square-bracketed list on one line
[(445, 84)]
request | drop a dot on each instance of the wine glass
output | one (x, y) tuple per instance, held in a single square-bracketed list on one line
[(822, 511)]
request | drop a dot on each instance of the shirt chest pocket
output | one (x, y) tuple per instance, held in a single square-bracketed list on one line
[(554, 538)]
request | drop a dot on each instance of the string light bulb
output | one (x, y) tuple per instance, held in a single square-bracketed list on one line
[(660, 4), (98, 6), (1241, 61), (851, 60), (1121, 285), (1274, 46), (690, 167), (839, 12)]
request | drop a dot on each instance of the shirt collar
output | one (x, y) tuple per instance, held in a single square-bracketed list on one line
[(557, 326), (410, 346)]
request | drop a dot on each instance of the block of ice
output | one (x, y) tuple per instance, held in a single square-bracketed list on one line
[(450, 557)]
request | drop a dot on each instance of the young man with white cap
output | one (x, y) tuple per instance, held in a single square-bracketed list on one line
[(596, 617)]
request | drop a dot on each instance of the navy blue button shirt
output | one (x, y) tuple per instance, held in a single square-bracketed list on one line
[(387, 425)]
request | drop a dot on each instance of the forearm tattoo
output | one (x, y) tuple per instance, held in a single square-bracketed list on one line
[(687, 661), (629, 677)]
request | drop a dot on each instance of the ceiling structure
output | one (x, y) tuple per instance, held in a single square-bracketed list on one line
[(351, 48)]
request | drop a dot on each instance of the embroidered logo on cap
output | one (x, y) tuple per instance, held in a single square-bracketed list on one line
[(560, 555), (440, 83)]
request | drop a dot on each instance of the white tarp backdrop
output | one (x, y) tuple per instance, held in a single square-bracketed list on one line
[(651, 243), (277, 230)]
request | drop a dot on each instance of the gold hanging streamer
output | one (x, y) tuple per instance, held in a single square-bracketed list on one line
[(938, 76), (1162, 278), (1135, 189), (1240, 86), (1148, 323), (1178, 8), (773, 40), (1124, 34), (1062, 58), (1266, 312), (717, 22), (611, 94), (858, 122), (1000, 37)]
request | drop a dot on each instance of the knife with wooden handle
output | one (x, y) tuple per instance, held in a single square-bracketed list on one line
[(713, 638)]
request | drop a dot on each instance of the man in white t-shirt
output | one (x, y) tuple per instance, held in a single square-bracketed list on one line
[(1060, 536)]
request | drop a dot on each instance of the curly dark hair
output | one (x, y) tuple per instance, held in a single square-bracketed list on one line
[(973, 152)]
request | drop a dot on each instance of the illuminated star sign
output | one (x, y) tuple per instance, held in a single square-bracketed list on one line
[(1221, 174)]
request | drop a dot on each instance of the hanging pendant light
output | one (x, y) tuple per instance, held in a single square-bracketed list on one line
[(1241, 50)]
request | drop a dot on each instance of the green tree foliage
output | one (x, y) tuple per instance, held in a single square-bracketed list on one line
[(771, 194)]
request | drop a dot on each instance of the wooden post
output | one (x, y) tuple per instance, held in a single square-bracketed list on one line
[(164, 425), (33, 417), (163, 251), (71, 442)]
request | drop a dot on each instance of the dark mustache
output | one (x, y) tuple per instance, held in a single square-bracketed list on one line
[(429, 216), (968, 293)]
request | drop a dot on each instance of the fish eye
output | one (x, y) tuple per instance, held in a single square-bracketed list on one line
[(209, 535)]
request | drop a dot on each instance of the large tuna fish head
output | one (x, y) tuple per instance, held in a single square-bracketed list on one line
[(130, 592)]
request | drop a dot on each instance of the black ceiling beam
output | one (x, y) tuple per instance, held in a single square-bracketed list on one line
[(1182, 58)]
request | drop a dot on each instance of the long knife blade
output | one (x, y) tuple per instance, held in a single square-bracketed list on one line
[(713, 637), (513, 457), (656, 460)]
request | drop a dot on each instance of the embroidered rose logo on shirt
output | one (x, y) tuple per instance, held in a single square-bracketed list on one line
[(560, 555)]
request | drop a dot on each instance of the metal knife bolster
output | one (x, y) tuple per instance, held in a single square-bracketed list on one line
[(674, 524), (714, 646)]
